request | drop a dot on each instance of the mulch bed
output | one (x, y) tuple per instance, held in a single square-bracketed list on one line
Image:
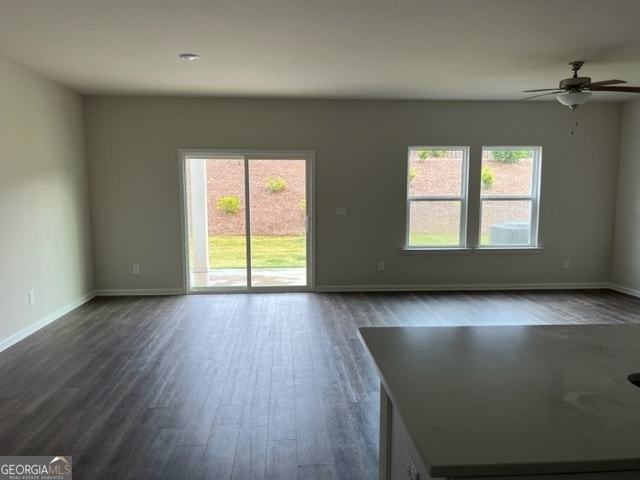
[(276, 213), (282, 213)]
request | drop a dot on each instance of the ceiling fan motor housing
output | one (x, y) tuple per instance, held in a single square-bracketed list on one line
[(574, 83)]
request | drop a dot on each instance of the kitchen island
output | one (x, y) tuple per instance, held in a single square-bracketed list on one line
[(508, 402)]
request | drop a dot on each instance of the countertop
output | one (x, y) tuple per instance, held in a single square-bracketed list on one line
[(512, 400)]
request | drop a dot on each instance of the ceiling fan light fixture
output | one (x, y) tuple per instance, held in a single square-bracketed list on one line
[(573, 99)]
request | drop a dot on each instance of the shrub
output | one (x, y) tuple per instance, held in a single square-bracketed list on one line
[(509, 156), (275, 185), (302, 205), (228, 204), (412, 173), (422, 154), (487, 177)]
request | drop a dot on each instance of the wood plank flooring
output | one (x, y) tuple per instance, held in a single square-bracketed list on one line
[(234, 386)]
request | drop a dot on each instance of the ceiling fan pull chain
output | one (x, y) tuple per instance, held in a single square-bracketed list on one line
[(575, 121)]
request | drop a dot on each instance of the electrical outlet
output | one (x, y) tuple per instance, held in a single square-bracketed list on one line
[(380, 265), (566, 264), (136, 269), (32, 296)]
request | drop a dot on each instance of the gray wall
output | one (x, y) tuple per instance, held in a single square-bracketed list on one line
[(45, 244), (360, 163), (626, 251)]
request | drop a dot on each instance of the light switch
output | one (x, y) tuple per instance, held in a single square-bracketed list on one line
[(342, 211)]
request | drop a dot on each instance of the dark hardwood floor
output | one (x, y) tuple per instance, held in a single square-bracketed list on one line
[(234, 386)]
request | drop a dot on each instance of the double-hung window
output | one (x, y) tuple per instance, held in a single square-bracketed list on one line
[(509, 194), (437, 197), (506, 208)]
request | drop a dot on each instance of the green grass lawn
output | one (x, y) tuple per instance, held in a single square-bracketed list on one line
[(229, 251), (420, 239), (444, 240)]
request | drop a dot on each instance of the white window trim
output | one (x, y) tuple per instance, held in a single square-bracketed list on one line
[(534, 198), (463, 198)]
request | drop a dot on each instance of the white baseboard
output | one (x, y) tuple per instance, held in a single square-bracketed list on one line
[(25, 332), (34, 327), (466, 287), (623, 289), (139, 292)]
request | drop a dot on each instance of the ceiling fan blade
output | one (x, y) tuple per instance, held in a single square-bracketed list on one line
[(619, 89), (541, 94), (539, 90), (604, 83)]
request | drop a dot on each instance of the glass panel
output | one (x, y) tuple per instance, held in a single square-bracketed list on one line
[(506, 222), (434, 223), (278, 222), (226, 221), (216, 222), (435, 172), (507, 172)]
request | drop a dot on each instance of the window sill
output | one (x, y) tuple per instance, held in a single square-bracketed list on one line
[(465, 250), (504, 249), (436, 250)]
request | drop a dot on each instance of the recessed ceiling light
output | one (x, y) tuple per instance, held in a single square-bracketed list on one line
[(189, 56)]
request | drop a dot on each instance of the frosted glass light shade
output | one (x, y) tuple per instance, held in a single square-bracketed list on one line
[(573, 99)]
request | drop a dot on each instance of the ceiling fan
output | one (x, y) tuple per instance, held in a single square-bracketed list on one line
[(574, 91)]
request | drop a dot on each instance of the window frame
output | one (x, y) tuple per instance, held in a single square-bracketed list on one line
[(463, 198), (533, 197)]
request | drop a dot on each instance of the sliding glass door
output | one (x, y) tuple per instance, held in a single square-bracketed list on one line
[(247, 220)]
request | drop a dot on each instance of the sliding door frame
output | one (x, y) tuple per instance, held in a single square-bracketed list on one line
[(247, 155)]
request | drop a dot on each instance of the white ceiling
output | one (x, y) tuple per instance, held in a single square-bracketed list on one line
[(389, 49)]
